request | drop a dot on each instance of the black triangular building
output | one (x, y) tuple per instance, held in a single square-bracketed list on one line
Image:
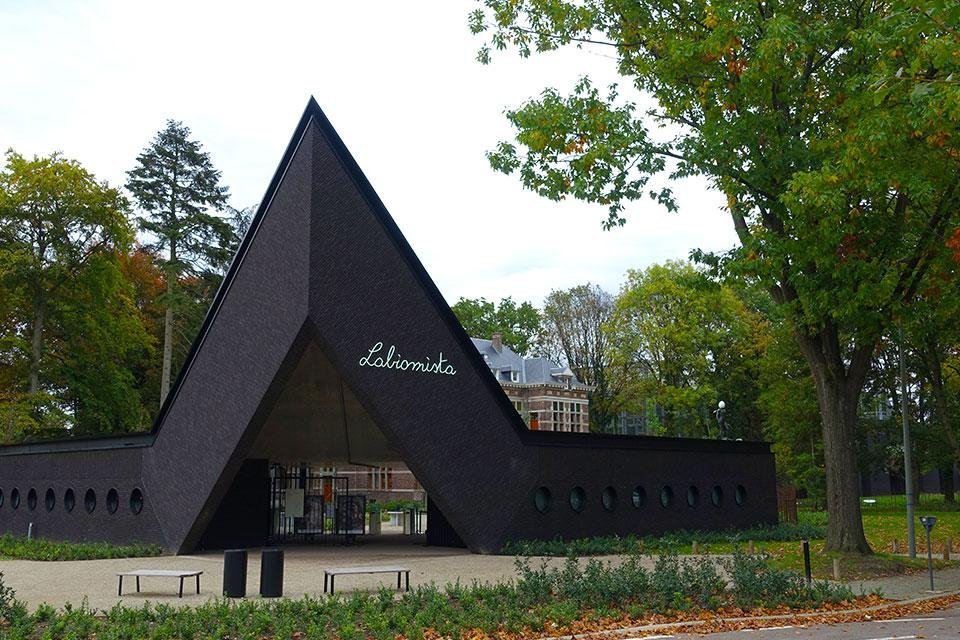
[(329, 341)]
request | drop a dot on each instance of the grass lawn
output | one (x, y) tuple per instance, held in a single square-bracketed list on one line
[(15, 548), (883, 522)]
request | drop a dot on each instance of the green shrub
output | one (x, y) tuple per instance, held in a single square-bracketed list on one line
[(603, 545), (11, 609), (540, 595), (756, 583), (41, 549), (394, 505)]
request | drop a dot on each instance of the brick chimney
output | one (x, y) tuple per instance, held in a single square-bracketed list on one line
[(497, 340)]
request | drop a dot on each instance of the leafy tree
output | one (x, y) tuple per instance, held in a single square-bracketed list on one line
[(681, 340), (176, 187), (518, 323), (828, 126), (69, 329), (54, 218), (935, 337), (573, 321), (104, 342), (240, 220), (788, 401), (144, 272)]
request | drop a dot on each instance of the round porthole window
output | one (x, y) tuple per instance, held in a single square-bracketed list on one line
[(15, 498), (741, 495), (90, 500), (49, 499), (113, 500), (716, 496), (693, 496), (32, 499), (69, 500), (639, 497), (136, 501), (542, 499), (666, 496), (578, 499), (609, 499)]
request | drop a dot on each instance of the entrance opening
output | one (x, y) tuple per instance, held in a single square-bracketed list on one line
[(328, 472)]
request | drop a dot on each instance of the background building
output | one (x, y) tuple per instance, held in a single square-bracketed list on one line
[(547, 396)]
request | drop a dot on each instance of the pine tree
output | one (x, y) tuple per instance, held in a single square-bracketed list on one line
[(177, 189)]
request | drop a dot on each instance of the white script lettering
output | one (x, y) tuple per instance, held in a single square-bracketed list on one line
[(393, 360)]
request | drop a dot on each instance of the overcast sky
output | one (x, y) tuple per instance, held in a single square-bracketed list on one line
[(399, 81)]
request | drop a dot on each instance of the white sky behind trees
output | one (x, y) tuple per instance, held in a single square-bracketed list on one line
[(96, 79)]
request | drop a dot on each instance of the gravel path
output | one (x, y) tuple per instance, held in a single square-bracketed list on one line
[(57, 583)]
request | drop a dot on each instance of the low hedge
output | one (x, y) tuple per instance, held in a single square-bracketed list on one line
[(605, 545), (541, 598), (41, 549)]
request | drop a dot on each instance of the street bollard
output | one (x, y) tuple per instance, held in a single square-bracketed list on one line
[(896, 546), (751, 549), (836, 568), (695, 548), (928, 522), (235, 573), (806, 562)]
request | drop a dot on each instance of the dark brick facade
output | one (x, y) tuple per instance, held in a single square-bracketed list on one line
[(324, 264)]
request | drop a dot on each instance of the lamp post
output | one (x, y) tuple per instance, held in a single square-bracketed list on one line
[(721, 413), (907, 455)]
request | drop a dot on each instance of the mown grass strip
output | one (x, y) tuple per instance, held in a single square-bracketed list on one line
[(13, 547)]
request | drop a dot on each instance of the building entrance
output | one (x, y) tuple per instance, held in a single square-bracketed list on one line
[(311, 506)]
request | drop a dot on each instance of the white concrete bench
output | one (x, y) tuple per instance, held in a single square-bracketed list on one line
[(330, 574), (158, 573)]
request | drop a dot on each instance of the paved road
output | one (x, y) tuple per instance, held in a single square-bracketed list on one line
[(941, 625)]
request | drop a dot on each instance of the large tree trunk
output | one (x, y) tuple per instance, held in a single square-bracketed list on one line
[(838, 385), (946, 483), (932, 360), (168, 329), (36, 345)]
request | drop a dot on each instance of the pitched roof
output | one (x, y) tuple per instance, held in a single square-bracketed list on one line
[(533, 371)]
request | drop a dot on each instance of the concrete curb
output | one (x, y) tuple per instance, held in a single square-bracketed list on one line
[(684, 624)]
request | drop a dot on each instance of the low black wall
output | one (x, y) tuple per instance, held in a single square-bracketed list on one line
[(109, 500)]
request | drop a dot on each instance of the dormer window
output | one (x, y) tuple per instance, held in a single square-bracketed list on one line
[(514, 376)]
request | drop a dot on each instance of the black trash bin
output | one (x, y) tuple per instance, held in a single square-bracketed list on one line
[(235, 573), (271, 573)]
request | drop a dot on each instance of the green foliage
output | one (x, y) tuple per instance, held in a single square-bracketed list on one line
[(394, 505), (573, 321), (682, 342), (539, 600), (519, 324), (754, 581), (50, 550), (788, 402), (31, 416), (610, 545), (175, 185), (830, 130), (178, 190), (70, 331), (10, 608)]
